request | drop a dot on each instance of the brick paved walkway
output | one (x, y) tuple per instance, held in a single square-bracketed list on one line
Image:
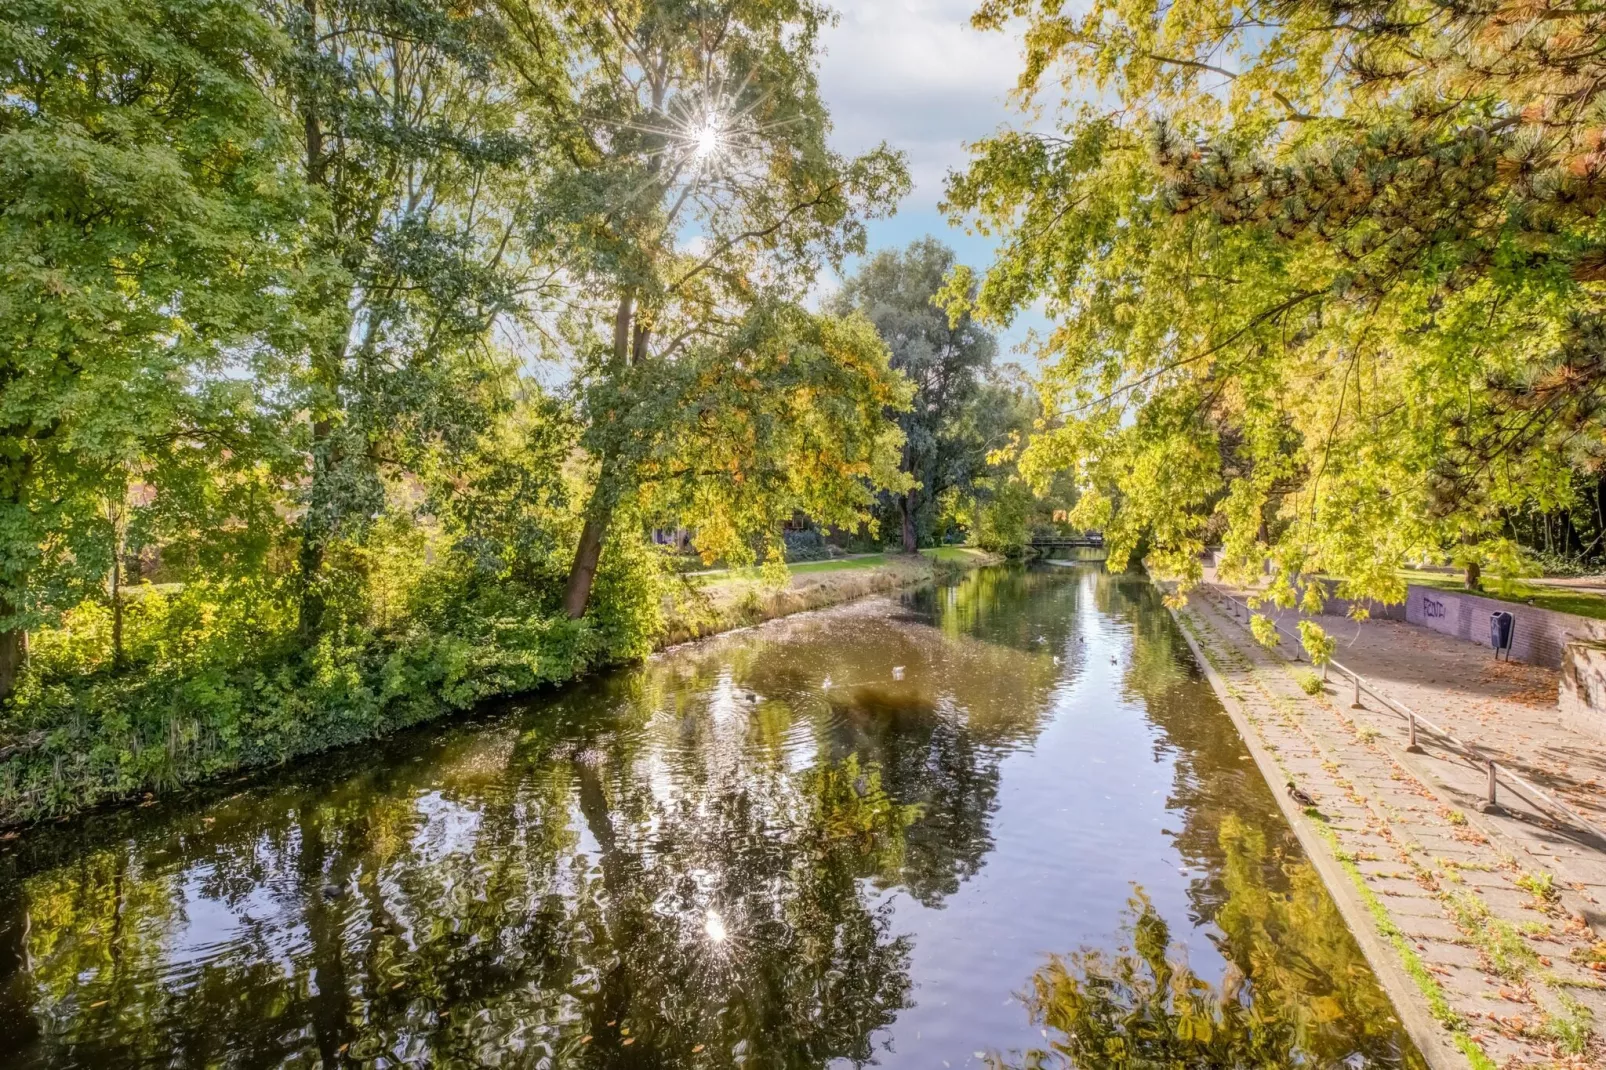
[(1507, 710), (1505, 707), (1481, 940)]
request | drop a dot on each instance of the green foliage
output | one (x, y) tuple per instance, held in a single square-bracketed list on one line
[(276, 473), (1264, 629), (419, 169), (1310, 683), (1326, 278), (216, 676), (1507, 953), (786, 415), (1317, 643), (1540, 885), (1573, 1028), (1000, 518), (138, 168), (950, 428), (805, 545), (669, 121)]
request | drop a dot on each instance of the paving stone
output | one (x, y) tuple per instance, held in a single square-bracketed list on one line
[(1382, 807), (1421, 927), (1507, 1053), (1446, 952), (1509, 903), (1415, 907), (1384, 868), (1390, 889), (1477, 991)]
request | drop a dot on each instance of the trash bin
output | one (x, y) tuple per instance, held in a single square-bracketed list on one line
[(1502, 629)]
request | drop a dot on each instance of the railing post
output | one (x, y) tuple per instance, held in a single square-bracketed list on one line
[(1491, 804), (1356, 705), (1412, 745)]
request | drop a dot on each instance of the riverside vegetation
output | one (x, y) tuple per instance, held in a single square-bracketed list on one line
[(350, 349), (281, 286), (1328, 278)]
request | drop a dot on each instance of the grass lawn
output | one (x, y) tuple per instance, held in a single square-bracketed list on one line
[(953, 553), (1582, 603), (868, 561), (840, 564)]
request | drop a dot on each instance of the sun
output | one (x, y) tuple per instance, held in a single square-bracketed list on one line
[(708, 139)]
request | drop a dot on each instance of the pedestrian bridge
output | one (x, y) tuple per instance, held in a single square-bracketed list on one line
[(1092, 540)]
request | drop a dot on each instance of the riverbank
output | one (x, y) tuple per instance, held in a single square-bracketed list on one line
[(92, 758), (1484, 958), (713, 603), (813, 841)]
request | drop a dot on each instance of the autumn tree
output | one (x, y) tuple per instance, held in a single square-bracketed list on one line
[(1327, 276), (693, 188)]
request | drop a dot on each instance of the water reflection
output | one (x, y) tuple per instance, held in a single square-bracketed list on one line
[(1295, 991), (786, 847)]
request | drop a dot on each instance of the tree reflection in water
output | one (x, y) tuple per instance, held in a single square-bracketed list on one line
[(696, 863), (1296, 990)]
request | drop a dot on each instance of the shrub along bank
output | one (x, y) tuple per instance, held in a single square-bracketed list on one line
[(213, 679)]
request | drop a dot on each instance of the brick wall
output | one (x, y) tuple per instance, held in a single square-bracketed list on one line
[(1541, 634), (1340, 607)]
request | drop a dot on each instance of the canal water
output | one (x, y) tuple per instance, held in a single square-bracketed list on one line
[(1003, 822)]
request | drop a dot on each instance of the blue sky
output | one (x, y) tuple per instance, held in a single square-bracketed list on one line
[(914, 74)]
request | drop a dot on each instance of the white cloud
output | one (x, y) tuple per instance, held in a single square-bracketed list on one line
[(914, 74)]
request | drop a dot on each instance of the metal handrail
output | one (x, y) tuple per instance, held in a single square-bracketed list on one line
[(1535, 795)]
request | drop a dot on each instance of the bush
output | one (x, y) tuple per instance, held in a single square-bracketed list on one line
[(808, 545), (215, 677)]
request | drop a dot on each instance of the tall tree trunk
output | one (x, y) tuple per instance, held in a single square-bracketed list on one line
[(13, 655), (15, 480), (315, 524), (314, 537), (117, 606), (599, 511), (587, 555), (311, 602), (1474, 575), (910, 543)]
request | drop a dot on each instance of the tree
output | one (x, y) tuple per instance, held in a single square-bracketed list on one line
[(139, 204), (992, 501), (945, 357), (407, 146), (1330, 274), (694, 184), (786, 415)]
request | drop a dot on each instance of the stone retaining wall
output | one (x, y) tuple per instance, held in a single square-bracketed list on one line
[(1340, 607), (1541, 635), (1583, 686)]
